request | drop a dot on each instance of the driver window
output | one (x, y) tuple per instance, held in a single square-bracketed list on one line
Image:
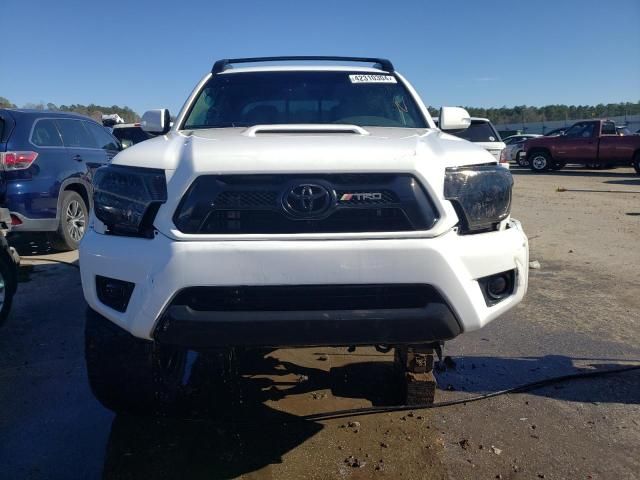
[(575, 131)]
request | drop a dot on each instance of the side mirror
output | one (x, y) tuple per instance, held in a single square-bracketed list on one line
[(125, 143), (156, 121), (454, 118)]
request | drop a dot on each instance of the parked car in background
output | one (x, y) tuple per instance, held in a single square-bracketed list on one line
[(519, 138), (594, 143), (483, 133), (623, 130), (514, 146), (130, 133), (556, 132), (48, 159)]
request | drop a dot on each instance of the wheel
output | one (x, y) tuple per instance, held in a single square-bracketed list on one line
[(636, 162), (8, 283), (130, 375), (74, 216), (539, 161), (522, 160)]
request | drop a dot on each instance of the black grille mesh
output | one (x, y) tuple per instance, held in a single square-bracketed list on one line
[(252, 204)]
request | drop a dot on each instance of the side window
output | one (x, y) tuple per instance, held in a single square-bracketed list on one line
[(609, 128), (45, 134), (575, 131), (587, 132), (74, 134), (102, 137)]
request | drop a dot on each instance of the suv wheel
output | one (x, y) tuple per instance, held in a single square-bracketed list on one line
[(130, 375), (539, 161), (74, 217), (636, 162)]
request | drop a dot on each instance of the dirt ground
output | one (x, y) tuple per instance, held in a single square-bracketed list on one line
[(582, 313)]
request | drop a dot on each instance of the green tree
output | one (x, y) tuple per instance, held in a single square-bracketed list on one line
[(5, 103)]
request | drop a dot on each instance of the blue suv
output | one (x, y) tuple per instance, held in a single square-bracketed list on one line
[(47, 160)]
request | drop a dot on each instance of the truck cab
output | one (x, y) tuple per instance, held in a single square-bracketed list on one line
[(593, 143)]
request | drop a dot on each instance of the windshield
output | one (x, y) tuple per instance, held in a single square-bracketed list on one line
[(317, 97), (479, 132)]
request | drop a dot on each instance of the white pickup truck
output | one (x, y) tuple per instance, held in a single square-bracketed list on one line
[(294, 205)]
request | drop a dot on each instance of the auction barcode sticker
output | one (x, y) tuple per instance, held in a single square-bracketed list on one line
[(372, 79)]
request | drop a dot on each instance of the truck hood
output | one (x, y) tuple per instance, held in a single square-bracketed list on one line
[(232, 150)]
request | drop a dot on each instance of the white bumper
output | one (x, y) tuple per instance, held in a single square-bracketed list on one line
[(161, 267)]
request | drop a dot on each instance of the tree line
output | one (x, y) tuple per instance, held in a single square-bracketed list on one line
[(549, 113), (91, 110), (501, 115)]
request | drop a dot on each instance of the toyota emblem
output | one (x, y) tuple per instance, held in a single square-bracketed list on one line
[(307, 200)]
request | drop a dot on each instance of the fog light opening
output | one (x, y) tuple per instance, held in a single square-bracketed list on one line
[(496, 288), (114, 293)]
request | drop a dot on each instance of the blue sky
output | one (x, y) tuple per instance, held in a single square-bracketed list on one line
[(149, 54)]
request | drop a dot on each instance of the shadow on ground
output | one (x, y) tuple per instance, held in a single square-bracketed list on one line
[(30, 244), (228, 435)]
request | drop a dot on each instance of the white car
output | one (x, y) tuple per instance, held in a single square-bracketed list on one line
[(293, 206), (514, 145), (483, 133)]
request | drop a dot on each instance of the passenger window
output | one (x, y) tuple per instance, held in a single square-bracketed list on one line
[(609, 128), (45, 134), (74, 134), (102, 137)]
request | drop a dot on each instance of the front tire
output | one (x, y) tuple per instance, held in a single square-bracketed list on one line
[(540, 161), (74, 216), (129, 375), (636, 162)]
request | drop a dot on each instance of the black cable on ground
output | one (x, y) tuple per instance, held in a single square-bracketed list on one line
[(356, 412)]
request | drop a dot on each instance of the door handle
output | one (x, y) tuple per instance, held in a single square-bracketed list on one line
[(77, 158)]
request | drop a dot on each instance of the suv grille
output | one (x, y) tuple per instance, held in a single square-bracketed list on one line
[(281, 204)]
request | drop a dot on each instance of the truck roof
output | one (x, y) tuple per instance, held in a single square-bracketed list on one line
[(290, 68), (381, 64)]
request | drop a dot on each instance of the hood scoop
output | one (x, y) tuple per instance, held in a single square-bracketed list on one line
[(305, 129)]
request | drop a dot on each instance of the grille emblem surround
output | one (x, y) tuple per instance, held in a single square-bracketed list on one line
[(308, 200)]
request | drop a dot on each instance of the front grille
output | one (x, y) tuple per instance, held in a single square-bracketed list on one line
[(254, 204), (286, 298)]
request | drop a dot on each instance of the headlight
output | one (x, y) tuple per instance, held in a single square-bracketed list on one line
[(126, 199), (480, 194)]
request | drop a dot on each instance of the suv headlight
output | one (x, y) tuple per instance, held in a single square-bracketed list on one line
[(481, 195), (126, 199)]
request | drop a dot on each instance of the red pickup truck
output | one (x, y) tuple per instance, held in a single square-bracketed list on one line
[(594, 143)]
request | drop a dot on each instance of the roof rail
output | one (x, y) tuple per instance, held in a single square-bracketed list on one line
[(221, 65)]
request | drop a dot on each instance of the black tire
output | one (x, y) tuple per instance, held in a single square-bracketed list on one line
[(522, 160), (539, 161), (636, 162), (8, 282), (129, 375), (74, 217)]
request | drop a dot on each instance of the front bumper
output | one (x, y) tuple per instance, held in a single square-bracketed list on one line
[(161, 268)]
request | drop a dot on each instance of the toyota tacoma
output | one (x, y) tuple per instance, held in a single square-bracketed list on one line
[(294, 201)]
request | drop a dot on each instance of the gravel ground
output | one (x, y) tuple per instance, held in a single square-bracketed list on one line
[(581, 314)]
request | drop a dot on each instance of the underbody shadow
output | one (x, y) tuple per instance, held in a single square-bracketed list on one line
[(228, 428)]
